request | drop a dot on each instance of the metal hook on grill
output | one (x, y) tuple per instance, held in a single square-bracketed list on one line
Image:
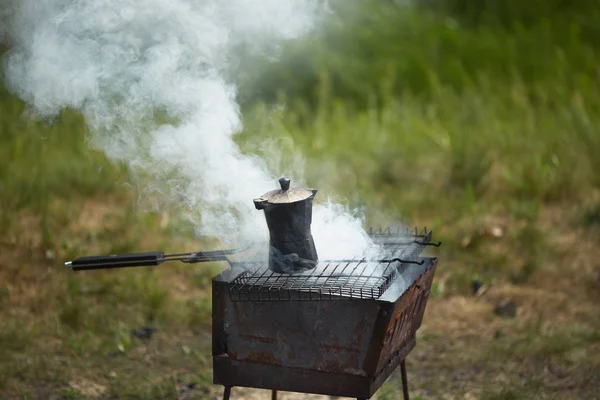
[(438, 244), (403, 261)]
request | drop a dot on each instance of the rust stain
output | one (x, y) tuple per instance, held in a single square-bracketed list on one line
[(299, 332), (263, 357), (256, 338), (359, 331), (233, 355), (338, 347), (337, 357)]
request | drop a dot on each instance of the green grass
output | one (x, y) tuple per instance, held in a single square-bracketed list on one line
[(418, 49), (453, 117), (486, 142)]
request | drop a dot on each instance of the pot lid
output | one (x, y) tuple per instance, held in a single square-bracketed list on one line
[(285, 194)]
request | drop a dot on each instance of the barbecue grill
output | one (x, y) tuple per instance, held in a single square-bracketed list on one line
[(338, 328)]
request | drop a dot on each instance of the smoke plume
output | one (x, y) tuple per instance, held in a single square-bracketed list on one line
[(149, 78)]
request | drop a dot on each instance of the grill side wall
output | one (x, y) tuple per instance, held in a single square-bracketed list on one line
[(331, 336), (395, 333)]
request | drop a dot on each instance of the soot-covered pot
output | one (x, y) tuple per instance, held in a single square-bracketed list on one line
[(289, 214)]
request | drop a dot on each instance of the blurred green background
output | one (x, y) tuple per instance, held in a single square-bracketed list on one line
[(477, 118)]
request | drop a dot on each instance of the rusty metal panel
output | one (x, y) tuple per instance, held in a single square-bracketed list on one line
[(406, 318), (219, 294), (320, 335)]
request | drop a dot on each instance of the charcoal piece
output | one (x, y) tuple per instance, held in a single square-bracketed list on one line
[(476, 284), (145, 332)]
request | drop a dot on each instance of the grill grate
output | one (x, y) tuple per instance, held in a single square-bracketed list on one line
[(335, 279)]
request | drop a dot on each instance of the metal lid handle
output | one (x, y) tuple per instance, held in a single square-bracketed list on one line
[(284, 183)]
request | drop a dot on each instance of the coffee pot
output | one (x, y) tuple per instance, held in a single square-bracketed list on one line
[(288, 212)]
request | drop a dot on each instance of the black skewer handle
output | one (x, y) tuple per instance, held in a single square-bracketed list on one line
[(117, 261)]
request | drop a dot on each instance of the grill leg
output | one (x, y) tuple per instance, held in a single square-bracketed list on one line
[(404, 379), (274, 395), (227, 393)]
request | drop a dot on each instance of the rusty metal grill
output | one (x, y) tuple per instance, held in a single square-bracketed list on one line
[(334, 279), (355, 280)]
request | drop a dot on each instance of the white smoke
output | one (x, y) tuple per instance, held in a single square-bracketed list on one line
[(148, 76)]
